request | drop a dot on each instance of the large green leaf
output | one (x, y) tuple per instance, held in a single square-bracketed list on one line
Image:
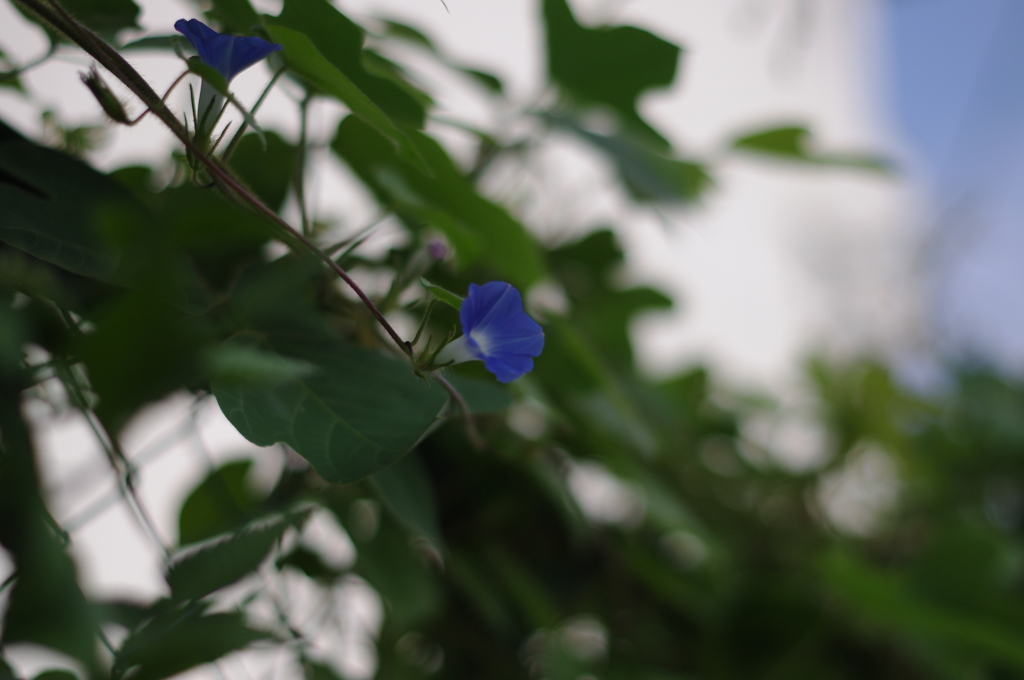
[(608, 65), (479, 229), (54, 206), (408, 493), (305, 59), (220, 503), (211, 568), (175, 641), (267, 170), (141, 351), (358, 414), (409, 587), (481, 396), (106, 17), (341, 42)]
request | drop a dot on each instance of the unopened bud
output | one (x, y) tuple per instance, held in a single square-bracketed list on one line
[(107, 99), (437, 250)]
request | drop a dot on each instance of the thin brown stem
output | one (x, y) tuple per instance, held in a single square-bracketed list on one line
[(300, 165), (162, 99), (474, 435)]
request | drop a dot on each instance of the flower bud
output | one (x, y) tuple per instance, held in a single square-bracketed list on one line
[(437, 250), (107, 99)]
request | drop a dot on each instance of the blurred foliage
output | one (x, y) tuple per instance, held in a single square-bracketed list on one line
[(897, 554)]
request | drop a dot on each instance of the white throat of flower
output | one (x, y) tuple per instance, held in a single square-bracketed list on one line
[(458, 351), (209, 110)]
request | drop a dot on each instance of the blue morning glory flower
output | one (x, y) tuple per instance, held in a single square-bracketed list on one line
[(228, 54), (496, 331)]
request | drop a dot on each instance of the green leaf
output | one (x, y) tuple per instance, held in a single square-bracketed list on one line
[(395, 29), (340, 41), (488, 80), (407, 492), (175, 641), (55, 207), (153, 42), (649, 176), (302, 56), (6, 672), (445, 296), (380, 66), (321, 671), (476, 227), (586, 269), (407, 585), (12, 338), (106, 17), (358, 414), (309, 563), (268, 171), (45, 605), (404, 31), (881, 599), (56, 674), (608, 65), (141, 351), (218, 237), (782, 141), (222, 502), (9, 73), (211, 568), (234, 16), (792, 142), (235, 363), (481, 396)]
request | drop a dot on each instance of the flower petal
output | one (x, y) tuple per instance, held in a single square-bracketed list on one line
[(480, 302), (498, 331), (508, 368), (229, 54)]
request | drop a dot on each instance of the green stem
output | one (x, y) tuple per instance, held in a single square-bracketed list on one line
[(471, 432), (15, 72), (123, 469), (300, 164), (226, 156), (8, 581)]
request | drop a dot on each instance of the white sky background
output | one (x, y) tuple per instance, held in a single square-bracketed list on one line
[(777, 262)]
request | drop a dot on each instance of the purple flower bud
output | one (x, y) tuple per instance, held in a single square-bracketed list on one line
[(437, 250), (228, 54)]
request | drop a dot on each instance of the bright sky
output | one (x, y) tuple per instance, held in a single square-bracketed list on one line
[(957, 86)]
